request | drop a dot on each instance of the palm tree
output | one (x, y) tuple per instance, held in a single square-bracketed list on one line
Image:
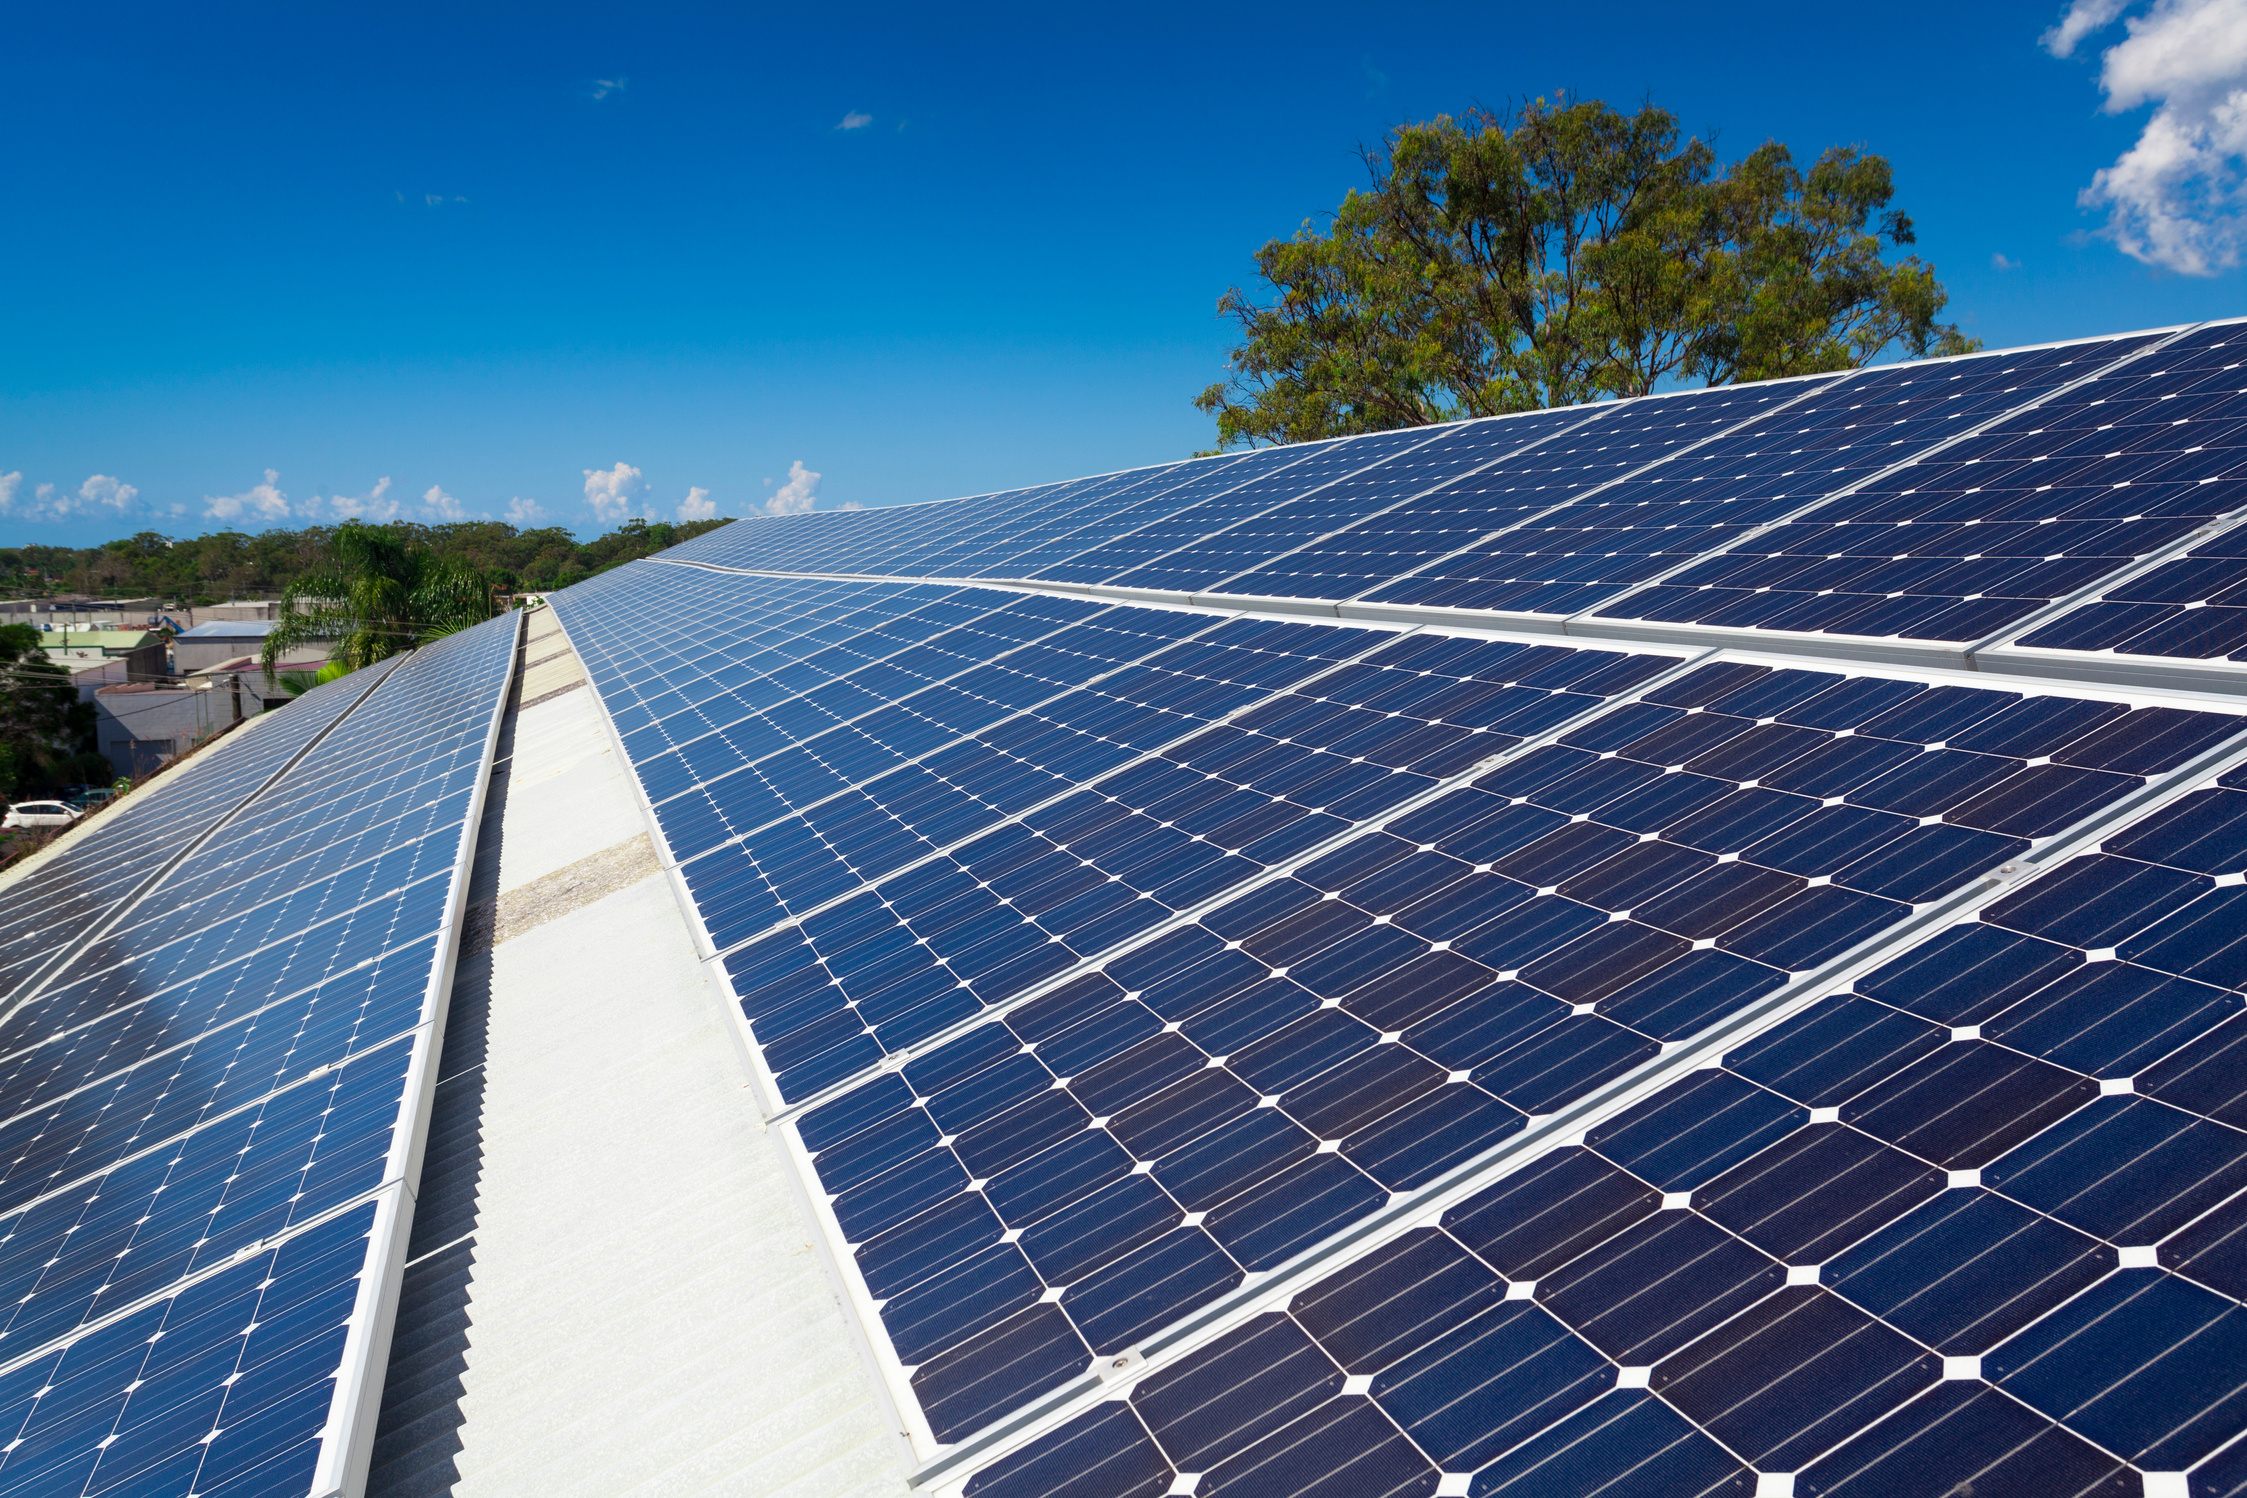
[(297, 683), (377, 597)]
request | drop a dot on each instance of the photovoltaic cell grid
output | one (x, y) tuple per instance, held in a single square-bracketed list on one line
[(1196, 525), (1571, 455), (991, 530), (1089, 868), (916, 666), (104, 862), (1974, 539), (1143, 549), (221, 1388), (221, 1081), (1402, 486), (916, 898), (1246, 999), (1117, 1154), (1698, 501), (1977, 1225), (2192, 608), (1558, 513), (1047, 524), (766, 627)]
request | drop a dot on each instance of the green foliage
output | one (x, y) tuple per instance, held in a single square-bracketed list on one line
[(378, 595), (87, 767), (1563, 253), (44, 728), (202, 570), (298, 683)]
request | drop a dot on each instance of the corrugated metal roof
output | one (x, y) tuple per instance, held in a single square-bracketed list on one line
[(612, 1288), (230, 629)]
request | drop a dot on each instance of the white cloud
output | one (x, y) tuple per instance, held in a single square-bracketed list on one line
[(103, 490), (371, 506), (2178, 198), (794, 497), (610, 490), (855, 121), (697, 505), (442, 507), (2004, 262), (603, 87), (258, 502), (52, 502), (521, 511), (2083, 18)]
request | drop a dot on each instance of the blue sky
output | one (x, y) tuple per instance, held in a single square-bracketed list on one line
[(488, 254)]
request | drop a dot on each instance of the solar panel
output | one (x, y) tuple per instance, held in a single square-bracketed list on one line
[(2185, 608), (1964, 543), (1133, 1145), (1248, 1022), (1968, 1223), (211, 1093), (1014, 850), (66, 894)]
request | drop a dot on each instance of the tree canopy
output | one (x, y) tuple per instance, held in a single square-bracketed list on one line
[(234, 564), (1564, 252), (44, 728), (379, 594)]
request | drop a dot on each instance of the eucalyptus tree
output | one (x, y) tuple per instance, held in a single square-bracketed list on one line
[(1561, 253)]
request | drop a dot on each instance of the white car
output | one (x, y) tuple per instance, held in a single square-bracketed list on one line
[(40, 814)]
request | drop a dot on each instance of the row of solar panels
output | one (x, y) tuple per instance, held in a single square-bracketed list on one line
[(216, 1050), (1925, 508), (1972, 1224), (1135, 961)]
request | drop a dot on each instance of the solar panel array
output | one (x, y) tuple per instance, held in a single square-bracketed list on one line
[(1506, 958), (215, 1057)]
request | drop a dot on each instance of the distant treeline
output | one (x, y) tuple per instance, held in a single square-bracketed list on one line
[(233, 564)]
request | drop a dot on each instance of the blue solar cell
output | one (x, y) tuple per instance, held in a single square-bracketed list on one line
[(1965, 1430), (1788, 1378), (222, 1073), (1179, 1060), (1977, 536), (1658, 1285), (224, 1386), (1110, 1455), (1840, 1377), (1696, 1131), (1187, 1101), (1627, 1436), (1818, 1191), (2145, 1364), (1446, 1400)]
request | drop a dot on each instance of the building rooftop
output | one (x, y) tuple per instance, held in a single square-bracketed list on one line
[(1672, 946), (113, 640), (230, 629)]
